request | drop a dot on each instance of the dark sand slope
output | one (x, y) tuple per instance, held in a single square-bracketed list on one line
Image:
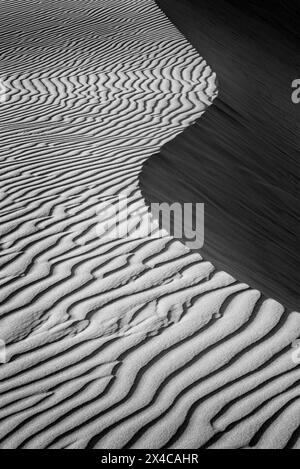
[(241, 158)]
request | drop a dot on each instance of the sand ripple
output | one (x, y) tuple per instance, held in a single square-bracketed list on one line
[(128, 342)]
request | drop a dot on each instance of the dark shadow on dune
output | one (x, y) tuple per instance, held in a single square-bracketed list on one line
[(241, 158)]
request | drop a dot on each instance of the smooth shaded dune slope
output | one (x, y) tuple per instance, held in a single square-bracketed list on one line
[(242, 158), (131, 342)]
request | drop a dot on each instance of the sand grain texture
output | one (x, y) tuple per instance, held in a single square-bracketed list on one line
[(130, 342)]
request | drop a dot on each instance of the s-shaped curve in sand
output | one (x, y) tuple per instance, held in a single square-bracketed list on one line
[(125, 342)]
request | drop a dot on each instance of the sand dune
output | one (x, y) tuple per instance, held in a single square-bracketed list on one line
[(118, 342)]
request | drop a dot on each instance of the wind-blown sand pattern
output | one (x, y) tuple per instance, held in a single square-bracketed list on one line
[(131, 342)]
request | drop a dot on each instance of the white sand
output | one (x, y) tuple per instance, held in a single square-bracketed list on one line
[(132, 342)]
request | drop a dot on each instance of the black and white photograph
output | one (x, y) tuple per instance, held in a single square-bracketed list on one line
[(149, 227)]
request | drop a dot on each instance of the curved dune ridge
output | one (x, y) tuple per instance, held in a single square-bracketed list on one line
[(242, 157), (124, 342)]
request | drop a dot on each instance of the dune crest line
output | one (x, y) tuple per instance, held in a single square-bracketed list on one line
[(122, 343)]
